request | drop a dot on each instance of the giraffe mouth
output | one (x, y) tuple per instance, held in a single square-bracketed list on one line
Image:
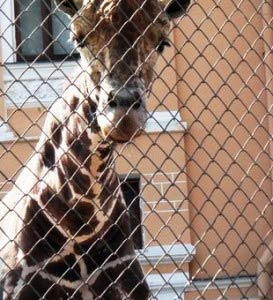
[(121, 128), (122, 137)]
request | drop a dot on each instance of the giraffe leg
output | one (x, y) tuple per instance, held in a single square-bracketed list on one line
[(264, 270)]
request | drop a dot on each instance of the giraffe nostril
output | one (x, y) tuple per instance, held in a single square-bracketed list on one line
[(121, 99), (113, 104), (137, 105), (137, 100), (137, 96), (112, 100)]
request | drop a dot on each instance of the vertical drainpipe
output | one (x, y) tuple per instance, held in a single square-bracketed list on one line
[(267, 14)]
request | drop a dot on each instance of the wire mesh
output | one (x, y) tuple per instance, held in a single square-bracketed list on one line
[(142, 170)]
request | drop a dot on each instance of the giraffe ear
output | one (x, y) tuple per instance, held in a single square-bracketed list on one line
[(70, 7), (176, 8)]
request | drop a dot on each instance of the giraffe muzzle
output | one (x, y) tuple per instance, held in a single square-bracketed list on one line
[(121, 112), (122, 123), (131, 100)]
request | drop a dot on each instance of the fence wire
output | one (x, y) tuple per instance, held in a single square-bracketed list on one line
[(136, 149)]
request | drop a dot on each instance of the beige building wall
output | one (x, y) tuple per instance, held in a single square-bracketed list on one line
[(225, 93)]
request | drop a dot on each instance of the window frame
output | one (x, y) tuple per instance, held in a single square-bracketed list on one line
[(7, 30), (11, 38)]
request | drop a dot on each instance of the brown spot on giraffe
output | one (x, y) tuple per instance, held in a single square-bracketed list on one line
[(48, 155), (67, 268), (79, 181), (56, 136), (74, 103), (65, 189), (32, 237), (80, 148)]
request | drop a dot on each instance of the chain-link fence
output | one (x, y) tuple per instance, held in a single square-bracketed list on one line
[(93, 207)]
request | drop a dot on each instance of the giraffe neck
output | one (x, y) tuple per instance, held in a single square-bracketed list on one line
[(78, 186)]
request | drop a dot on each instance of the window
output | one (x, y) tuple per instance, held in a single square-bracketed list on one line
[(40, 34), (131, 191)]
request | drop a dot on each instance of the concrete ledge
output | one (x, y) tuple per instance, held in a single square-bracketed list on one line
[(168, 286), (165, 121), (166, 254), (161, 121), (5, 132), (225, 283), (239, 288), (10, 138)]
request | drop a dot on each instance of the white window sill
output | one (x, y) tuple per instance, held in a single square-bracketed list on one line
[(161, 121), (168, 121), (168, 286), (225, 283), (166, 254), (39, 70), (5, 132), (35, 85)]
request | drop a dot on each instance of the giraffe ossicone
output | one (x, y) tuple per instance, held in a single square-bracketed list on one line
[(64, 228)]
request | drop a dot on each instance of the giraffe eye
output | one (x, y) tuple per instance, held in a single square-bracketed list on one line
[(80, 43), (79, 40), (162, 44)]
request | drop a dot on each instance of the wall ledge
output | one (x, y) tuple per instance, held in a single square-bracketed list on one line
[(5, 132), (221, 283), (166, 254), (174, 285), (161, 121), (157, 122), (168, 286)]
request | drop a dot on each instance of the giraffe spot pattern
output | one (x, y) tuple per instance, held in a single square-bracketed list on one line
[(48, 155), (56, 136), (89, 112), (80, 182), (80, 148), (74, 103), (66, 268), (70, 216), (39, 238), (65, 189), (43, 288)]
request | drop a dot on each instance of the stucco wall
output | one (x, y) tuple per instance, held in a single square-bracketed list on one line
[(224, 98)]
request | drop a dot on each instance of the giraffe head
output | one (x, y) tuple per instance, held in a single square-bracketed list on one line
[(119, 42)]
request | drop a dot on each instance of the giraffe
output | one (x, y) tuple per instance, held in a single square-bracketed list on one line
[(64, 228)]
